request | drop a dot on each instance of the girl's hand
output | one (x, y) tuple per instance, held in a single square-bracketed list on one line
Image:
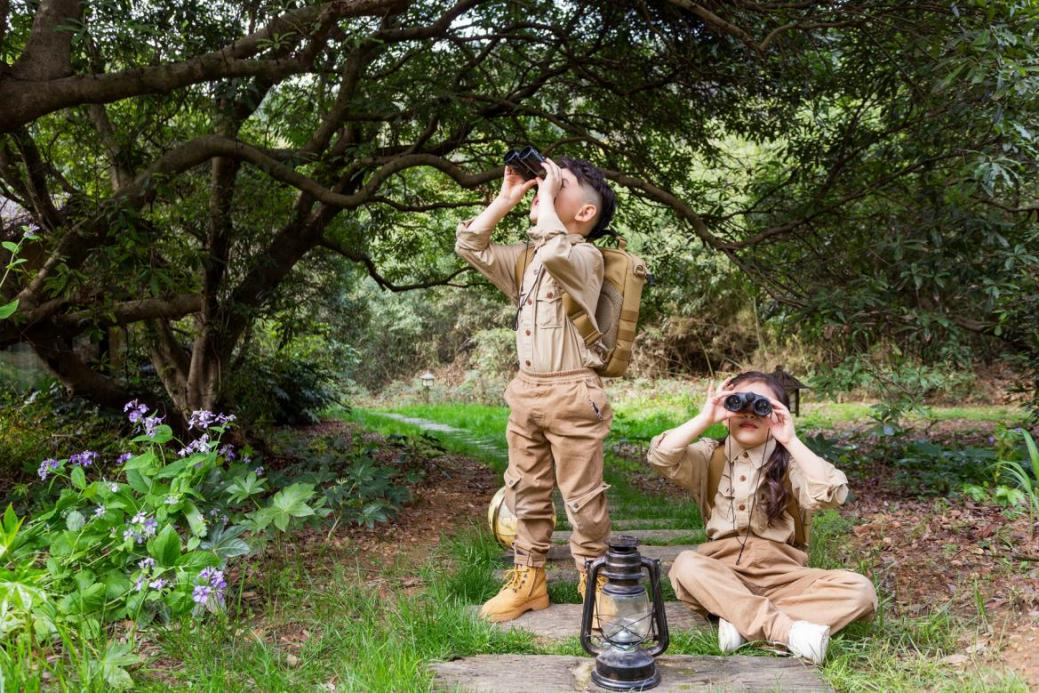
[(781, 423), (514, 188), (713, 409)]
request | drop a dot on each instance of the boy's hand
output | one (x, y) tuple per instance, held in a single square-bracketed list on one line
[(549, 186), (713, 410), (513, 188)]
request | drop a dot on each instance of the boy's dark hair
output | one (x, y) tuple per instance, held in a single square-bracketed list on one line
[(590, 175)]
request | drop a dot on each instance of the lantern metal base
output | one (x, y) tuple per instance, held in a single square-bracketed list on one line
[(618, 670)]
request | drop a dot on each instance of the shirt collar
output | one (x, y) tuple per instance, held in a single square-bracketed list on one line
[(540, 234), (757, 455)]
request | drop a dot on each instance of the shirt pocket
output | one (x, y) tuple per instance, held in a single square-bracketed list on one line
[(549, 313)]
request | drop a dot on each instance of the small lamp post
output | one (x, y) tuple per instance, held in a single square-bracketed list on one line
[(427, 379), (632, 622)]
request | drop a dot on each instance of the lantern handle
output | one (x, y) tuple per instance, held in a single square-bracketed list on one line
[(592, 570), (659, 613)]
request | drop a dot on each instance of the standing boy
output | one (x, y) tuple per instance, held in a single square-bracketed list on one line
[(559, 414)]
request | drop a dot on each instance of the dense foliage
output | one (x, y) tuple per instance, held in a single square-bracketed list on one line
[(858, 175)]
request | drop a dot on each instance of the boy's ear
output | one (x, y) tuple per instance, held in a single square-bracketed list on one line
[(586, 213)]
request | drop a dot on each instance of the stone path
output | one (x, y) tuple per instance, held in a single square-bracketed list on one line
[(563, 673), (563, 621)]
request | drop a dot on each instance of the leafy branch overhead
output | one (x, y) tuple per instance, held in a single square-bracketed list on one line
[(189, 170)]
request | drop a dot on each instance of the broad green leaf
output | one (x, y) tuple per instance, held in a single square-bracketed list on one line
[(79, 478), (195, 519), (8, 309), (165, 546), (75, 521)]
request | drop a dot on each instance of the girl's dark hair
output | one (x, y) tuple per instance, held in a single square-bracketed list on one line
[(588, 174), (775, 469)]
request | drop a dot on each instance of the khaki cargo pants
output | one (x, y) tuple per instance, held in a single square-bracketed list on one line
[(556, 430), (769, 589)]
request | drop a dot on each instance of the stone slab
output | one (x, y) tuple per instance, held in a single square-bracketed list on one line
[(562, 621), (646, 537), (568, 674), (560, 566)]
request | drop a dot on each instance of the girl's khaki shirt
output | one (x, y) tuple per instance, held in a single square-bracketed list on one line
[(740, 500)]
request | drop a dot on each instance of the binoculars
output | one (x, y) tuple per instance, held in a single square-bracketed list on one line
[(526, 162), (748, 401)]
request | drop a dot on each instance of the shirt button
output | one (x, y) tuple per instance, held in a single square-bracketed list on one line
[(745, 455), (548, 295), (742, 506), (530, 302), (743, 477), (527, 332), (527, 362)]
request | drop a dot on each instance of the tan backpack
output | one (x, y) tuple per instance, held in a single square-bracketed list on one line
[(617, 311), (802, 518)]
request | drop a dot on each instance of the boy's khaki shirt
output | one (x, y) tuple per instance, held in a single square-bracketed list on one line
[(546, 340), (687, 466)]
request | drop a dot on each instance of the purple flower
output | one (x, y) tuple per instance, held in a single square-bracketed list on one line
[(201, 594), (157, 584), (47, 466), (150, 424), (214, 577), (227, 450), (201, 445), (139, 584), (83, 459), (146, 563), (171, 500), (99, 511), (139, 518), (136, 410), (150, 527), (123, 458), (201, 419), (113, 487), (258, 471), (128, 533)]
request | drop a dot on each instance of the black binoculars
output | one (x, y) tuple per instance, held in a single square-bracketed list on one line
[(748, 401), (526, 162)]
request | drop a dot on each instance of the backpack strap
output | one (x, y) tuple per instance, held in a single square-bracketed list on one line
[(802, 519), (520, 268), (715, 467)]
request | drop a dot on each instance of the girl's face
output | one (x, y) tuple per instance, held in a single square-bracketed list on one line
[(747, 428)]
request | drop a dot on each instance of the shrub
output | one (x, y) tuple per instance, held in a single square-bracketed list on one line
[(148, 536)]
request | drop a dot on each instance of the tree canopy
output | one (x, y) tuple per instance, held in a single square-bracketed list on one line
[(188, 169)]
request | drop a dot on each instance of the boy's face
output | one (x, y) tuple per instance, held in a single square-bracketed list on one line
[(747, 428), (572, 202)]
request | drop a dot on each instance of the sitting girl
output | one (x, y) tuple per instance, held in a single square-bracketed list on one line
[(754, 489)]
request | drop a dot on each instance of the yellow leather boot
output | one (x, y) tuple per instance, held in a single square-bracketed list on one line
[(525, 589)]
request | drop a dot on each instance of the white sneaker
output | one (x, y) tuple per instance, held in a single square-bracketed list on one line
[(729, 639), (809, 640)]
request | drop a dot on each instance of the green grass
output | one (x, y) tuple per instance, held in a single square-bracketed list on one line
[(371, 634), (885, 654)]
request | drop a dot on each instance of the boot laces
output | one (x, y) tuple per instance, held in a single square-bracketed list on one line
[(515, 577)]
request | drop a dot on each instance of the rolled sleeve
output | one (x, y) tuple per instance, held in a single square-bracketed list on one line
[(686, 466), (576, 266), (496, 262), (818, 484)]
